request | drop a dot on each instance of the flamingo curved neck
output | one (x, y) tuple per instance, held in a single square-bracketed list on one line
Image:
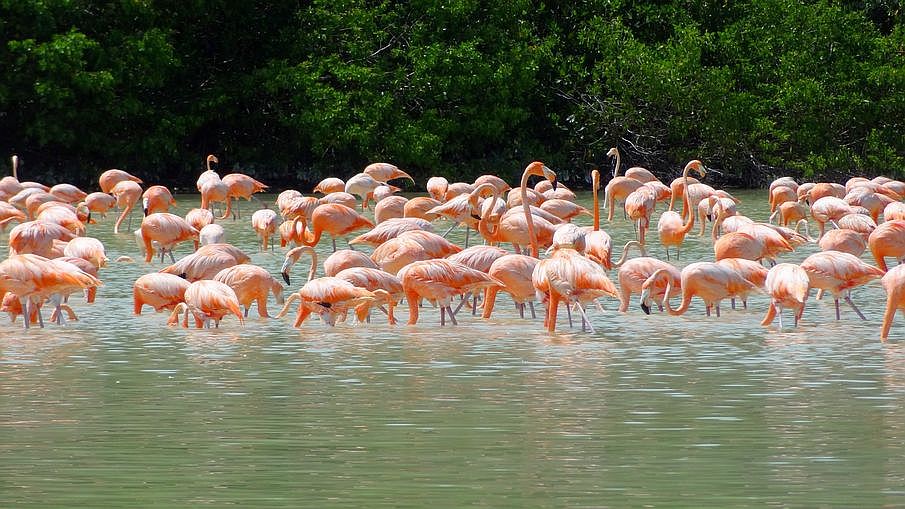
[(618, 163)]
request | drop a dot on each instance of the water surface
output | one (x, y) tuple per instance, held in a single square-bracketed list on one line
[(656, 411)]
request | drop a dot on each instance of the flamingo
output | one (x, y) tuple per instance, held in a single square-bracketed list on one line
[(391, 207), (32, 278), (847, 241), (67, 193), (207, 261), (670, 226), (127, 194), (240, 185), (330, 185), (87, 248), (618, 188), (390, 229), (828, 209), (110, 178), (264, 223), (787, 285), (463, 209), (411, 246), (345, 258), (212, 234), (372, 279), (635, 277), (292, 257), (341, 197), (167, 230), (888, 240), (569, 277), (331, 298), (97, 203), (157, 199), (514, 272), (709, 281), (440, 280), (37, 237), (419, 206), (208, 301), (436, 188), (384, 172), (894, 284), (334, 219), (159, 290), (837, 273), (363, 186), (251, 284)]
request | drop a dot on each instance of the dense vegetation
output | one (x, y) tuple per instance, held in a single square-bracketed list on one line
[(292, 91)]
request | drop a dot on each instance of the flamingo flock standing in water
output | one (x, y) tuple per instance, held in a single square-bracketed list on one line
[(397, 256)]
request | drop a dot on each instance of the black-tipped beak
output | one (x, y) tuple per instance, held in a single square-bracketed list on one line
[(475, 216), (645, 308), (145, 211), (554, 184), (184, 275), (88, 219), (710, 217), (286, 277)]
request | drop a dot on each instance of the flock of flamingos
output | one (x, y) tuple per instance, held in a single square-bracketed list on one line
[(554, 261)]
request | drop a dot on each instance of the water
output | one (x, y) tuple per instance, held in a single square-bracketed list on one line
[(656, 411)]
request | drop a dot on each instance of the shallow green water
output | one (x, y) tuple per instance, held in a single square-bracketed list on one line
[(650, 411)]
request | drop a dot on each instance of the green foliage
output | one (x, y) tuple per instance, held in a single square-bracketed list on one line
[(292, 92)]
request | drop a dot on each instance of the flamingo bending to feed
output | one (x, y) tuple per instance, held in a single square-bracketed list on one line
[(838, 272), (440, 280), (159, 290), (894, 284), (570, 278), (787, 285), (208, 301), (331, 298), (334, 219), (618, 188), (251, 284), (709, 281)]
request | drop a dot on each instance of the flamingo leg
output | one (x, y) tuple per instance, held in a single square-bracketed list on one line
[(717, 309), (467, 232), (569, 314), (442, 316), (848, 300), (531, 306), (25, 308), (838, 316), (521, 310), (334, 243), (779, 310), (584, 318), (732, 300), (452, 316), (451, 228)]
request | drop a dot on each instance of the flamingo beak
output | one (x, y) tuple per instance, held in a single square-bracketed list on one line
[(645, 308), (475, 216), (286, 277)]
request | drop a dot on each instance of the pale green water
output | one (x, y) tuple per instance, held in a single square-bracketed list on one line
[(651, 411)]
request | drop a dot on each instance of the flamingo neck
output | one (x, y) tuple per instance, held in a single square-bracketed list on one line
[(528, 219), (595, 183)]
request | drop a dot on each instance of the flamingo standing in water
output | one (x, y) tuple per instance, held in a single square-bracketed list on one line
[(167, 230), (335, 219), (670, 226), (127, 194), (108, 180), (240, 185), (440, 280), (331, 298), (251, 284), (709, 281), (264, 222), (837, 273), (888, 240), (208, 301), (159, 290), (570, 278), (32, 278), (619, 187), (157, 199), (787, 285)]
